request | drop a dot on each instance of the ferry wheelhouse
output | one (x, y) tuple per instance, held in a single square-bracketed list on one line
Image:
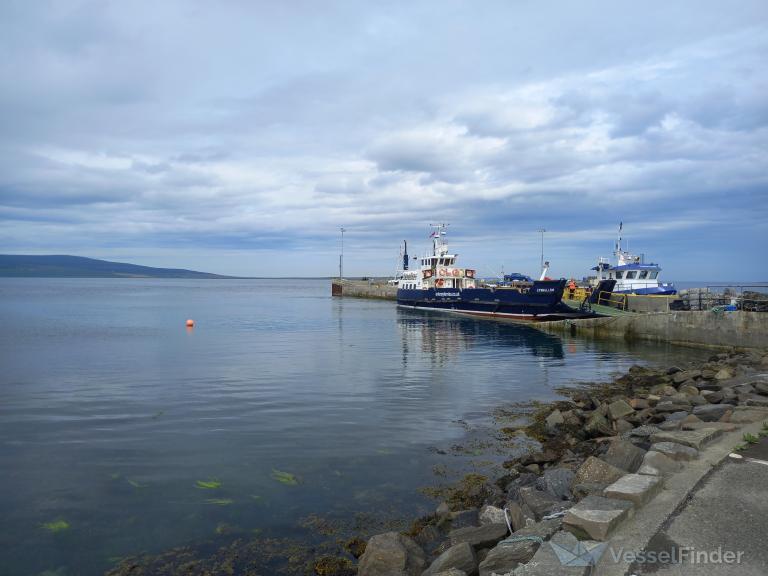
[(632, 274), (440, 284)]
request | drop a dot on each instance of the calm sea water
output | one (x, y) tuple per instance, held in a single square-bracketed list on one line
[(111, 410)]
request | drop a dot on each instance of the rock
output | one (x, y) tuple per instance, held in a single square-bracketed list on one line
[(710, 412), (508, 556), (619, 409), (747, 416), (689, 390), (698, 401), (491, 515), (635, 488), (596, 517), (391, 554), (554, 420), (724, 374), (598, 425), (539, 502), (658, 464), (526, 479), (724, 426), (516, 516), (540, 457), (429, 538), (668, 407), (653, 399), (670, 425), (622, 426), (761, 388), (588, 489), (597, 471), (533, 468), (461, 557), (676, 451), (680, 377), (479, 536), (639, 403), (464, 518), (556, 482), (452, 572), (756, 400), (644, 431), (624, 455), (673, 370), (546, 562), (693, 438), (442, 510)]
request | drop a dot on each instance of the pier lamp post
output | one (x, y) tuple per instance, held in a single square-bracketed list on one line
[(542, 230), (341, 256)]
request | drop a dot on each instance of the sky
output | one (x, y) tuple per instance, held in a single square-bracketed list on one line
[(237, 137)]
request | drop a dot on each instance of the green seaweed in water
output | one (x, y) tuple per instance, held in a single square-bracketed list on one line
[(56, 526), (136, 484), (220, 501), (208, 484), (284, 477)]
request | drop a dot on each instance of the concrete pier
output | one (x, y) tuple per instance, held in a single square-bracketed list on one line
[(695, 328), (364, 289)]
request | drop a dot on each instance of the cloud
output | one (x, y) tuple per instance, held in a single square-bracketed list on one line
[(138, 128)]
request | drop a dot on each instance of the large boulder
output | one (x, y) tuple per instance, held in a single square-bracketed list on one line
[(597, 471), (658, 464), (596, 517), (491, 515), (624, 455), (479, 536), (391, 554), (556, 482), (598, 425), (461, 557), (507, 556), (619, 409), (540, 503), (711, 412)]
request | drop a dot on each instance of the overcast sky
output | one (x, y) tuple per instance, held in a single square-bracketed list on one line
[(236, 137)]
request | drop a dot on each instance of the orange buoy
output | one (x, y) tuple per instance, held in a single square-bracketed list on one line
[(190, 323)]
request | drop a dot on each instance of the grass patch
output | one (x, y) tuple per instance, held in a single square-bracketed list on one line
[(750, 438)]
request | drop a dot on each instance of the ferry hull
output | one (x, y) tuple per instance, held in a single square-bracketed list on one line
[(542, 302), (663, 290)]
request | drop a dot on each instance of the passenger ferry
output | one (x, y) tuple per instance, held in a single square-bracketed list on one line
[(632, 274), (439, 284)]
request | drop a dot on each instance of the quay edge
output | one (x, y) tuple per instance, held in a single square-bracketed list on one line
[(703, 328)]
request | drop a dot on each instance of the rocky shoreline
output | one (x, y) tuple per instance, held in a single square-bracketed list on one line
[(598, 455), (604, 452)]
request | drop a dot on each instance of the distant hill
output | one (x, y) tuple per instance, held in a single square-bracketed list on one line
[(12, 265)]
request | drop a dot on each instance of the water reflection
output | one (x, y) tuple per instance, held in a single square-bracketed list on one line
[(441, 337)]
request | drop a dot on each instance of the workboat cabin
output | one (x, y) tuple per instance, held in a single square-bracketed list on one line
[(632, 274)]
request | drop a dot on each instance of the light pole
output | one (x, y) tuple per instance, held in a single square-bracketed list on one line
[(341, 256), (542, 230)]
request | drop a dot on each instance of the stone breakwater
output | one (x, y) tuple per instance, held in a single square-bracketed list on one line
[(604, 453)]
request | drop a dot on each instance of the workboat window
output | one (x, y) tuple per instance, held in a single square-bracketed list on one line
[(631, 274), (653, 275), (643, 274), (619, 275)]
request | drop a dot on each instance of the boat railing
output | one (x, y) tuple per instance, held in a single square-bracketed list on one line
[(613, 300)]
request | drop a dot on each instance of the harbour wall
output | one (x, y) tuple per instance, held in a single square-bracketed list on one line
[(364, 289), (692, 328)]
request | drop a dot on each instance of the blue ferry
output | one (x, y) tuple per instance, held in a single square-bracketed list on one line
[(439, 284), (632, 274)]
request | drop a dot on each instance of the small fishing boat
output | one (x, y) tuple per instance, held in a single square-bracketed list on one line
[(439, 284), (632, 274)]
